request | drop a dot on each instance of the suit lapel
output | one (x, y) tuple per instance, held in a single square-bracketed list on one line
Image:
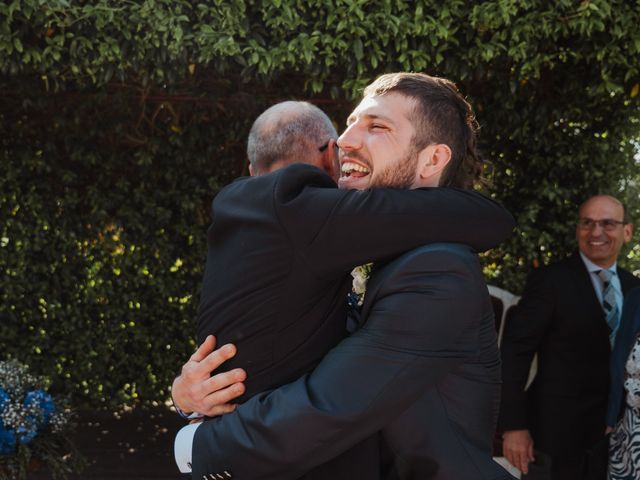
[(627, 280), (378, 275), (584, 283)]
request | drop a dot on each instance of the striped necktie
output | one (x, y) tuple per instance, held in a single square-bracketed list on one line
[(609, 304)]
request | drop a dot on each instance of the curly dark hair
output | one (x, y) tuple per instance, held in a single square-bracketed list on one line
[(441, 115)]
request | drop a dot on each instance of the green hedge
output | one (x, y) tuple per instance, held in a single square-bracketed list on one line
[(119, 120), (103, 244)]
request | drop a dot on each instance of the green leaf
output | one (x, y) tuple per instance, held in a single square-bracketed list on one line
[(357, 49), (17, 44)]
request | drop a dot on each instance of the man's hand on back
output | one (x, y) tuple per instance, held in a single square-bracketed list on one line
[(195, 390), (517, 447)]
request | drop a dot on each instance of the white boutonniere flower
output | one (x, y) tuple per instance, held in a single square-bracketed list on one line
[(360, 278)]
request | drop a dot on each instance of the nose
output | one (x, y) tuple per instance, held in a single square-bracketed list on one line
[(349, 140), (597, 228)]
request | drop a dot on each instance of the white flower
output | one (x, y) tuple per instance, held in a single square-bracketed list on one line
[(360, 278), (59, 421)]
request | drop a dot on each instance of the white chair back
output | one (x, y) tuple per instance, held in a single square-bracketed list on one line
[(508, 300)]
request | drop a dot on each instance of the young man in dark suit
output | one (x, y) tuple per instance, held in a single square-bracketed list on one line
[(421, 347), (568, 315)]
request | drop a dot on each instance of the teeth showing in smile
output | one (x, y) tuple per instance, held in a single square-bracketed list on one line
[(349, 167)]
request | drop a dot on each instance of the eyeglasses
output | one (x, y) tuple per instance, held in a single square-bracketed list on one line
[(607, 224)]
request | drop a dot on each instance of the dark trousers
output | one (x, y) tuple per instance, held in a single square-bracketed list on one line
[(591, 465)]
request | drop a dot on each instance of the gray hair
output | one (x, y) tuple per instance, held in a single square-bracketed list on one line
[(287, 132)]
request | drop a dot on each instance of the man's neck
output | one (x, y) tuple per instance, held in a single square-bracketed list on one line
[(591, 265)]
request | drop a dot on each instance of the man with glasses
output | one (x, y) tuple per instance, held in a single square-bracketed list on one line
[(569, 316)]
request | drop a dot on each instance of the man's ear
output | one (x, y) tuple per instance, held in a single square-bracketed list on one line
[(329, 160), (251, 171), (627, 232), (432, 161)]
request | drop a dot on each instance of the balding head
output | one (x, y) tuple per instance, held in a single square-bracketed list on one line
[(292, 132), (601, 200)]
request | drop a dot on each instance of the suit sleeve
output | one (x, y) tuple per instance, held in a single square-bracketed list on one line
[(523, 334), (629, 328), (411, 339), (352, 227)]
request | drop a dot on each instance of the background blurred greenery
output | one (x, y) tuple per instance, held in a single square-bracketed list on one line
[(119, 120)]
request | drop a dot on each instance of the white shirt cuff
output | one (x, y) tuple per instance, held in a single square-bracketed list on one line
[(183, 446)]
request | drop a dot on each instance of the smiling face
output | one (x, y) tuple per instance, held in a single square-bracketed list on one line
[(376, 149), (597, 244)]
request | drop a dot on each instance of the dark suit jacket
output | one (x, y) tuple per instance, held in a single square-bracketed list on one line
[(281, 247), (424, 368), (559, 317), (625, 339)]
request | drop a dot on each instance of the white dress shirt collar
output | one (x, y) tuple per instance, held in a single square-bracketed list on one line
[(593, 268)]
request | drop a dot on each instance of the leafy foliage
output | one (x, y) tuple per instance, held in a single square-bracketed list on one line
[(118, 121)]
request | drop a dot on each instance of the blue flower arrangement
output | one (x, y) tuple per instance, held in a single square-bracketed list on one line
[(34, 427)]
